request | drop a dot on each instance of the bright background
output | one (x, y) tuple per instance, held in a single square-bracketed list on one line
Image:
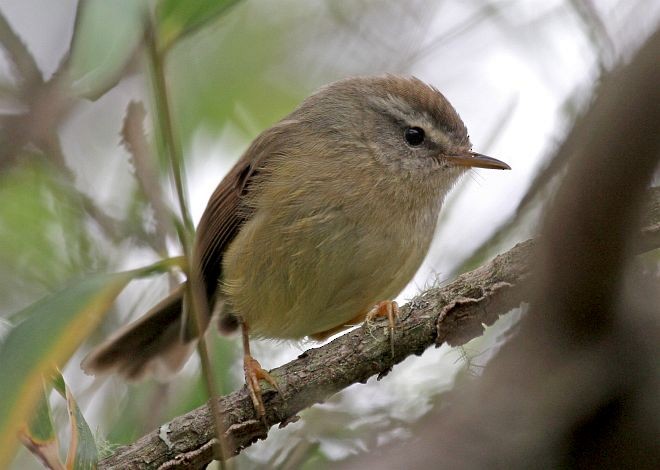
[(518, 72)]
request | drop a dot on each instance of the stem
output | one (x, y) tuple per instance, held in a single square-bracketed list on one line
[(199, 303), (172, 147)]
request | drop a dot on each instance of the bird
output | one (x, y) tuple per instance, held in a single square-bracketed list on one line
[(319, 225)]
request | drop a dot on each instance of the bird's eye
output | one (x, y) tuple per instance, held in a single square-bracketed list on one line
[(414, 136)]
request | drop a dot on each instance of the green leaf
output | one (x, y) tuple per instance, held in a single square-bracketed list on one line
[(49, 333), (40, 437), (83, 453), (41, 440), (176, 18), (106, 38), (41, 428)]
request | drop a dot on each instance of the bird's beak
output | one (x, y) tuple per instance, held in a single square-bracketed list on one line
[(476, 160)]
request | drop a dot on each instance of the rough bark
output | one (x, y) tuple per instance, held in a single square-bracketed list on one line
[(453, 314)]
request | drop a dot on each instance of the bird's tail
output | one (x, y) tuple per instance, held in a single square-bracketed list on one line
[(152, 345)]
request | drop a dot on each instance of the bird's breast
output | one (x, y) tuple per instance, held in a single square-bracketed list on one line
[(310, 259)]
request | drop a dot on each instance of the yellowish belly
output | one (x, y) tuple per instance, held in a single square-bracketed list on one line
[(290, 280)]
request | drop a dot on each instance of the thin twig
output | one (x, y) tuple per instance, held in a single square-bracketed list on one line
[(135, 141), (25, 66), (65, 62), (194, 289), (596, 32), (172, 148)]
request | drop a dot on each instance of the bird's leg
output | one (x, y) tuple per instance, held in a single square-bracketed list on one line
[(254, 373), (389, 309)]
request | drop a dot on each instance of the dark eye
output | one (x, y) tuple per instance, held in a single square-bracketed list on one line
[(414, 136)]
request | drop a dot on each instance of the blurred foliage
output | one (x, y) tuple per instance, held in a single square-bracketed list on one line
[(82, 453), (43, 238), (176, 19), (41, 438), (75, 203), (221, 84), (106, 36), (47, 333), (40, 435)]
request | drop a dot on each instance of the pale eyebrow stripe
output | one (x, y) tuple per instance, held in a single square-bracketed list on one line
[(397, 107)]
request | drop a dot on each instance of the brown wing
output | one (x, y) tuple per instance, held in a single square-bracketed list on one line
[(155, 339), (226, 211), (220, 223)]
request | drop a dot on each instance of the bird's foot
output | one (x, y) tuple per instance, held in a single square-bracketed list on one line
[(389, 309), (253, 373)]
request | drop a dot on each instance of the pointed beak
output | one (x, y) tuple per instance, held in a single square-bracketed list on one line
[(476, 160)]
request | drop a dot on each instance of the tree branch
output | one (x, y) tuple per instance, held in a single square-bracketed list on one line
[(572, 388), (452, 314)]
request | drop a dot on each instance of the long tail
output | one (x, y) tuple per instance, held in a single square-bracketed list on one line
[(153, 344)]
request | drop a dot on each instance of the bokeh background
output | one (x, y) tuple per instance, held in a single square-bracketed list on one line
[(74, 200)]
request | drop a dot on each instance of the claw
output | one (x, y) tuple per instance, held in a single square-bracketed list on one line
[(253, 374)]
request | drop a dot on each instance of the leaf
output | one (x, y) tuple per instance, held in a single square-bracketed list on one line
[(50, 331), (82, 449), (176, 19), (83, 453), (40, 437), (104, 43)]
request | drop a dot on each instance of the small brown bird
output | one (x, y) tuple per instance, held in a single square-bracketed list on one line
[(324, 219)]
